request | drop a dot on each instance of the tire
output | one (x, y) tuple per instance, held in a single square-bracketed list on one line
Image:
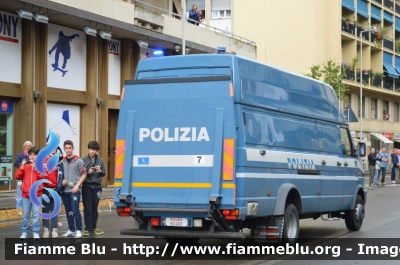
[(290, 225), (182, 241), (354, 218)]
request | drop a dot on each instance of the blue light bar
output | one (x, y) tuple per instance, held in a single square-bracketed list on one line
[(221, 49), (158, 53)]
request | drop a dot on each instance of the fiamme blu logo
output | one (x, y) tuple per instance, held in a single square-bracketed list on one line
[(53, 143)]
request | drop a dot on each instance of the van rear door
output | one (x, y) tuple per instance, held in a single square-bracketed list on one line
[(180, 136)]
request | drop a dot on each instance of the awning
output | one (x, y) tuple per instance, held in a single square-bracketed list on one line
[(397, 69), (382, 138), (391, 71)]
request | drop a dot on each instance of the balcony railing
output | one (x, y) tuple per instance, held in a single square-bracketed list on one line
[(365, 34), (158, 10), (377, 81), (349, 74), (397, 85), (388, 3), (365, 77), (397, 7), (348, 27), (378, 1), (388, 83), (373, 36), (388, 44)]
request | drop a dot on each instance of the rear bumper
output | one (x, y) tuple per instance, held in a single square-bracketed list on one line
[(183, 234)]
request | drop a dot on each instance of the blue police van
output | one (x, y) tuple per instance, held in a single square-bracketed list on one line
[(211, 145)]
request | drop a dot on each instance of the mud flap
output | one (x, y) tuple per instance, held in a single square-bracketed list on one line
[(269, 230)]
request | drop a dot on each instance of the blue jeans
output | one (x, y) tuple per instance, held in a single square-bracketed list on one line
[(383, 170), (19, 194), (71, 204), (376, 176), (27, 206), (48, 208)]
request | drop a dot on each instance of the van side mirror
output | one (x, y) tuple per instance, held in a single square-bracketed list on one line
[(362, 149)]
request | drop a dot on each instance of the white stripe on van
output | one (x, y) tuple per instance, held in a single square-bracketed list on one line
[(292, 176), (305, 160), (173, 160)]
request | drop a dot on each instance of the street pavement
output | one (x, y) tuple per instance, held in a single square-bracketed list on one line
[(381, 221)]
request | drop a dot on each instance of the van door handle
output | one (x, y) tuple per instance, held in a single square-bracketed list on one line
[(345, 164), (323, 162), (339, 164)]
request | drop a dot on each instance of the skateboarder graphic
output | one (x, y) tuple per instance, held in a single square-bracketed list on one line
[(62, 46)]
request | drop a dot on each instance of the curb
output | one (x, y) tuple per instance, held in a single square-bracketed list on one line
[(14, 216)]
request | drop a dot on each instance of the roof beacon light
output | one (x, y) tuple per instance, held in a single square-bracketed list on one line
[(158, 53), (221, 49)]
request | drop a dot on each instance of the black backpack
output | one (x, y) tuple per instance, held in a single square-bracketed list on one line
[(60, 173)]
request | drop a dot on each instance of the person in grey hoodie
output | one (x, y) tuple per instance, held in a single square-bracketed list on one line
[(74, 175), (91, 188)]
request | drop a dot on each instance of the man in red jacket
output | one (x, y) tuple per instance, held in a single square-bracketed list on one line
[(49, 206), (27, 173)]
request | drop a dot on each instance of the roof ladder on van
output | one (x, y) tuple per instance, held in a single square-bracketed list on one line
[(216, 195)]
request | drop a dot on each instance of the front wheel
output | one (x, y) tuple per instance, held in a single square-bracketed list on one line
[(354, 218), (290, 224)]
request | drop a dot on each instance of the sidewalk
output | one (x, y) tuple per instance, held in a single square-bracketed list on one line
[(387, 179), (10, 215)]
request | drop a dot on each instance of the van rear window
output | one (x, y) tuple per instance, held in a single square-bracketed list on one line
[(184, 72)]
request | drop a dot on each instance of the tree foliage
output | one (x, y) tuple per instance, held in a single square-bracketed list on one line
[(332, 75)]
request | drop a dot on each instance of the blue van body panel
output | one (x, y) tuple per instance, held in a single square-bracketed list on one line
[(180, 112)]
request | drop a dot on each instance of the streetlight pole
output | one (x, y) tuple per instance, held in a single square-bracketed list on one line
[(183, 27), (361, 104)]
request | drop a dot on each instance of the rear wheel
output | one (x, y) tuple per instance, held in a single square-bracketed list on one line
[(354, 218), (291, 224)]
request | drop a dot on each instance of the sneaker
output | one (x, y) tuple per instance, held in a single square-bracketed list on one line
[(78, 234), (54, 234), (45, 232), (68, 234), (393, 182), (36, 236), (383, 183), (373, 185), (97, 231), (23, 236), (86, 233)]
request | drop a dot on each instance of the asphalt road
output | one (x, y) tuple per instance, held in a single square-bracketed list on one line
[(382, 221)]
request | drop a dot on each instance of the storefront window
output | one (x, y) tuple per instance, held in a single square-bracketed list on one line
[(6, 141)]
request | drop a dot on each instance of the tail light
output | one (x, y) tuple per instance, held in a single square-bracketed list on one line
[(231, 214), (124, 211), (155, 221)]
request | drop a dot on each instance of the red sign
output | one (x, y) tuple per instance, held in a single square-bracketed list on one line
[(388, 135), (4, 105)]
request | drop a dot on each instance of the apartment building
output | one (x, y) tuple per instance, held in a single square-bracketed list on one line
[(295, 35), (64, 62)]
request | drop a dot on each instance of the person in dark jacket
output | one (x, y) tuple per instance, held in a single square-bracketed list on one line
[(372, 158), (392, 165), (396, 166), (194, 14), (91, 188), (23, 155)]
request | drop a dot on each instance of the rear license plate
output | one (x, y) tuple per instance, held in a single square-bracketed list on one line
[(176, 222)]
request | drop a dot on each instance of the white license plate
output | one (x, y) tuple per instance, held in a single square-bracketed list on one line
[(176, 222)]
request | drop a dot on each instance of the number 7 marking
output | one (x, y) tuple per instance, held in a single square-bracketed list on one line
[(199, 157)]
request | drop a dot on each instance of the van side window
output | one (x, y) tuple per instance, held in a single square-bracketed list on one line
[(346, 145)]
